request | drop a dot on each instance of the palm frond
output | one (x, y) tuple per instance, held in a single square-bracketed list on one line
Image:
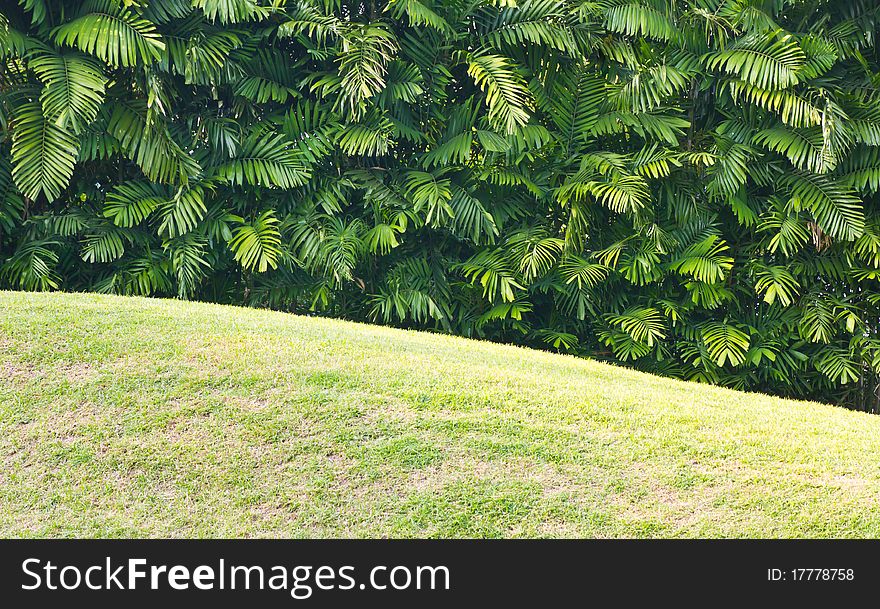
[(257, 244), (266, 159), (73, 88), (113, 33), (43, 154), (507, 96)]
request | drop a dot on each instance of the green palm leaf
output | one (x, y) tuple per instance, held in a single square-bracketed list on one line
[(11, 203), (148, 142), (536, 250), (725, 343), (767, 61), (363, 63), (705, 260), (838, 366), (507, 96), (535, 22), (341, 247), (113, 33), (432, 193), (492, 270), (806, 149), (231, 11), (367, 139), (182, 213), (257, 244), (837, 209), (643, 324), (103, 246), (776, 283), (266, 159), (585, 273), (645, 18), (419, 14), (73, 88), (33, 266), (43, 154), (130, 203), (470, 218), (574, 105)]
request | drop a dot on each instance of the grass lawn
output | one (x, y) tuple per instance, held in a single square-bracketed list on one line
[(138, 417)]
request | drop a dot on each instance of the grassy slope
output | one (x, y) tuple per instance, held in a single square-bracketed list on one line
[(158, 418)]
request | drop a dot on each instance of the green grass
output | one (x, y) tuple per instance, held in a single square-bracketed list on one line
[(138, 417)]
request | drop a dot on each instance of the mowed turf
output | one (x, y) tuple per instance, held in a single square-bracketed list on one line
[(139, 417)]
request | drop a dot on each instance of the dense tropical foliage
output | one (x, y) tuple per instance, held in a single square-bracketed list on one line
[(689, 187)]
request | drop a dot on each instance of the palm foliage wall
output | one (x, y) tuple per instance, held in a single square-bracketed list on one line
[(689, 187)]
